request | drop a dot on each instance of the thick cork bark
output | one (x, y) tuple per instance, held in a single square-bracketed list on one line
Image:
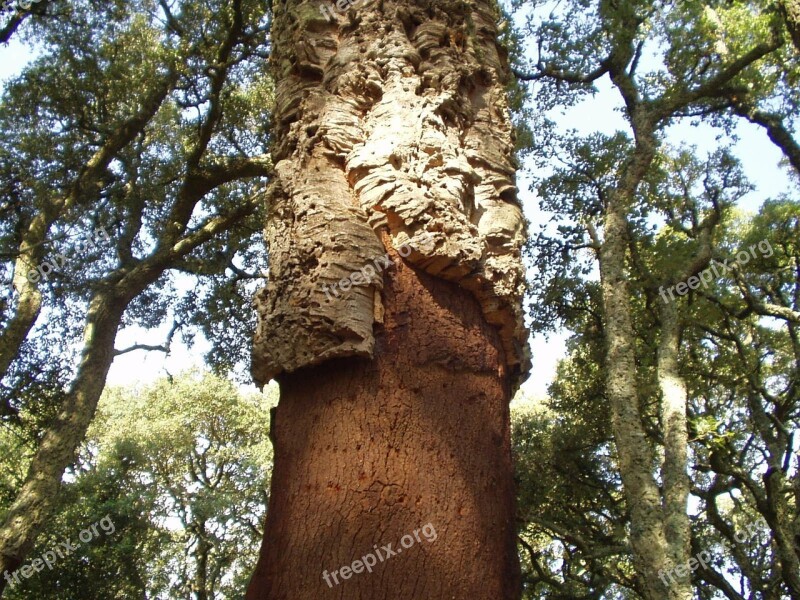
[(367, 451), (392, 117)]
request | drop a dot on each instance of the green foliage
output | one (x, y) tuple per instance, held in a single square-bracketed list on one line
[(742, 373), (712, 64), (182, 469), (202, 69)]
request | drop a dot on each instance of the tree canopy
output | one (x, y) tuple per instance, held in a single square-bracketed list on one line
[(182, 470)]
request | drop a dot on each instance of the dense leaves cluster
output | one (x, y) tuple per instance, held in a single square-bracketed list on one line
[(736, 339), (182, 470)]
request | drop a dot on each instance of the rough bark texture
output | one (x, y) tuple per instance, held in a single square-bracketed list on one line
[(392, 117), (392, 131), (674, 474), (636, 460), (659, 525), (367, 451)]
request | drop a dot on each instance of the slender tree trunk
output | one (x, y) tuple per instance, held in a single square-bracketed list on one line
[(33, 503), (392, 134), (201, 553), (674, 475), (636, 459), (659, 524)]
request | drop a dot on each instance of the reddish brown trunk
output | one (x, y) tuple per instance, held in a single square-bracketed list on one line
[(368, 451)]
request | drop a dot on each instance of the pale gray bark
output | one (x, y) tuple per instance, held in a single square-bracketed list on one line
[(32, 506), (636, 457), (674, 475), (655, 560)]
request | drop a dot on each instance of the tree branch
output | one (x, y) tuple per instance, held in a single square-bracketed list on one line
[(549, 72), (135, 347), (714, 87), (776, 130)]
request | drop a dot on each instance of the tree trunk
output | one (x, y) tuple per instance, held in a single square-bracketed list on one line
[(674, 474), (791, 12), (33, 504), (636, 460), (368, 451), (201, 553), (391, 133)]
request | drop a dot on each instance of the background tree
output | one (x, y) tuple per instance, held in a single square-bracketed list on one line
[(182, 469), (143, 119), (579, 542), (651, 217)]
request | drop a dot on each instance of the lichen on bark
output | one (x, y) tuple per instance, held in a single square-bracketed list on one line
[(390, 118)]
